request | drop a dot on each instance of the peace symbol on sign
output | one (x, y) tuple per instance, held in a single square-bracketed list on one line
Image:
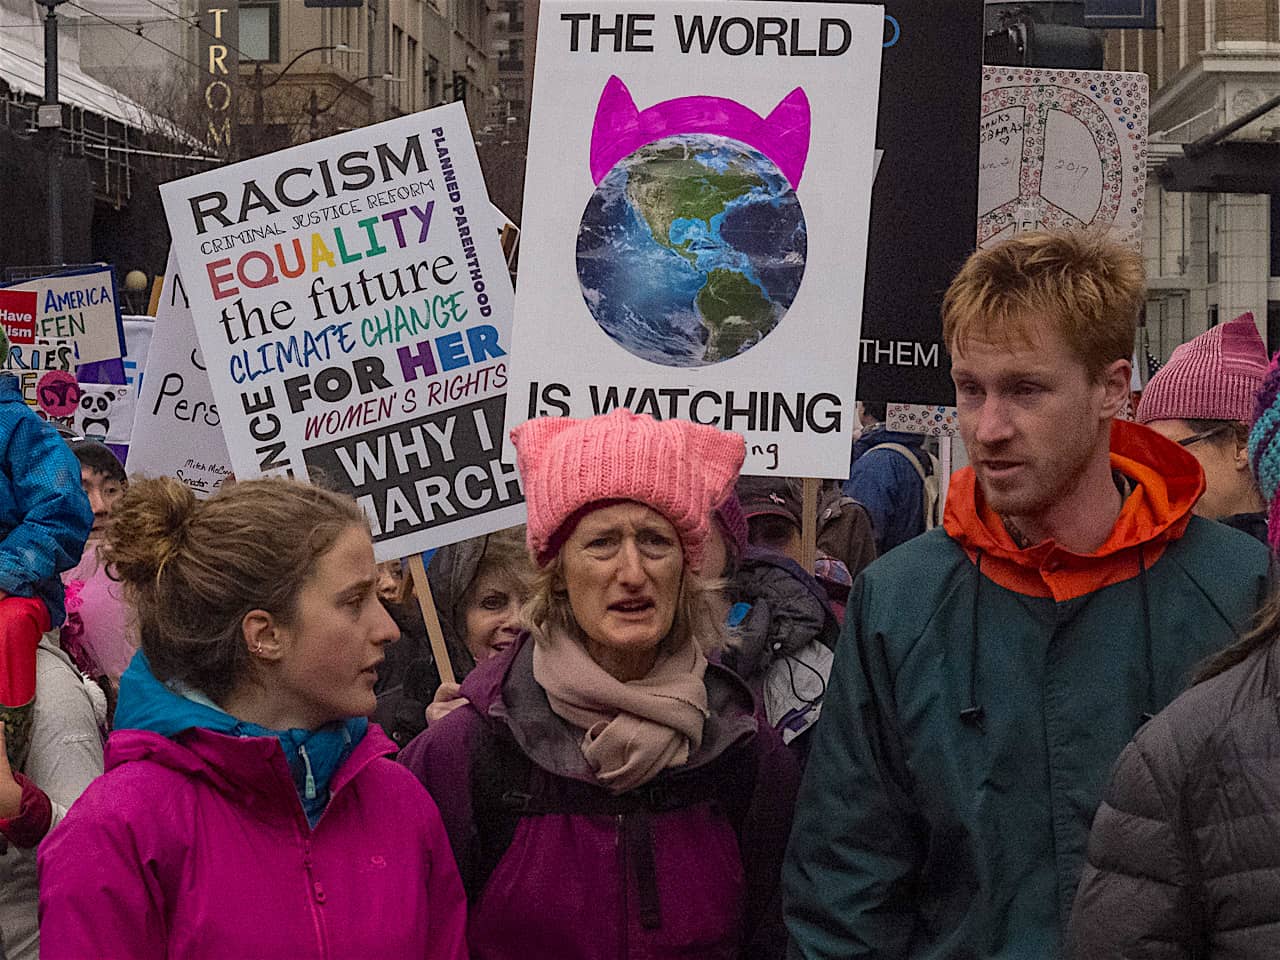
[(1063, 159)]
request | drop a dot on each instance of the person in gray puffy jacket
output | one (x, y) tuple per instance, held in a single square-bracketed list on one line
[(1184, 857)]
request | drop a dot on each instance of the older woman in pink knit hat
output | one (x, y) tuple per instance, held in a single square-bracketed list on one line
[(1203, 399), (607, 790)]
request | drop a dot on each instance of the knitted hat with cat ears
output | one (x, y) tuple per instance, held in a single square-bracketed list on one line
[(681, 469)]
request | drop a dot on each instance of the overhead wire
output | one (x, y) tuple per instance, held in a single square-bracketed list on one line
[(195, 22), (126, 28)]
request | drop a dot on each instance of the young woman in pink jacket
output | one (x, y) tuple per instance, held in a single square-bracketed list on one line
[(248, 808)]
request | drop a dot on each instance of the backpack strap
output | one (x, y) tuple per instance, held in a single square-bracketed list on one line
[(906, 452), (499, 784), (506, 786)]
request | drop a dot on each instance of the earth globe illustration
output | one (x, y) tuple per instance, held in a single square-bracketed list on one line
[(691, 250)]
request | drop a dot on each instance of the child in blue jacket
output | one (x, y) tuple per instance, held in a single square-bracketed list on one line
[(44, 521)]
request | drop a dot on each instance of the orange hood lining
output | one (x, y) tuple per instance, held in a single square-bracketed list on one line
[(1167, 481)]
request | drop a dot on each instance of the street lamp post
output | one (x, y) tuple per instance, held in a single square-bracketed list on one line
[(49, 122), (259, 86), (314, 108)]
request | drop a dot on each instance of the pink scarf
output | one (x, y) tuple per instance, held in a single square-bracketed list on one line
[(634, 729)]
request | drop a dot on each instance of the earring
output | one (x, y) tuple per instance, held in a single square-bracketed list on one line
[(257, 647)]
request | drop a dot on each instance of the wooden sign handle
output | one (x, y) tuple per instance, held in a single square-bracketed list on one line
[(809, 524), (427, 604)]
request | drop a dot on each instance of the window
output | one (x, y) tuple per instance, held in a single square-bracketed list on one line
[(260, 30), (397, 66), (410, 76), (433, 81), (1275, 235), (1212, 224)]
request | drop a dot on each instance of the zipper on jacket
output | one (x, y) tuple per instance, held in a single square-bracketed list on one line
[(623, 944), (315, 894), (309, 785)]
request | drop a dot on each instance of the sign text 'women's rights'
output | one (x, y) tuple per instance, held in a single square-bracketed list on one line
[(347, 293)]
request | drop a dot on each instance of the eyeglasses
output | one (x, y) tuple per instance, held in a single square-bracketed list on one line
[(1204, 435)]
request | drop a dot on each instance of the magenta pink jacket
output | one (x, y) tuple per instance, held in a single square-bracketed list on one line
[(197, 847)]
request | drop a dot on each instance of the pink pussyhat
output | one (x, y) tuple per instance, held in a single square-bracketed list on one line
[(1213, 377), (568, 466)]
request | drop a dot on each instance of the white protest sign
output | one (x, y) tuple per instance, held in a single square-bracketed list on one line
[(137, 340), (80, 307), (354, 310), (702, 254), (176, 429), (1060, 149)]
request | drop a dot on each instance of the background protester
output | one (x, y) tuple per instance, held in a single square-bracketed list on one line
[(1203, 399), (1264, 451), (407, 676), (782, 627), (845, 534), (773, 507), (44, 522), (100, 633), (885, 480), (653, 809), (1183, 858), (392, 583), (479, 586), (65, 755), (991, 671), (244, 714)]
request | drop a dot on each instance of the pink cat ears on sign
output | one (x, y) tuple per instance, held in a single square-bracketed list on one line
[(621, 129)]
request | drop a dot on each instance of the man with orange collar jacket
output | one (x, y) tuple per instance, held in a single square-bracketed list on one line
[(991, 672)]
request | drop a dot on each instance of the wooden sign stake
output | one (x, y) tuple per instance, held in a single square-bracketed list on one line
[(427, 604), (156, 286), (809, 525)]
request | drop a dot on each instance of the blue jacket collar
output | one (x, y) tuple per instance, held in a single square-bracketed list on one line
[(313, 755)]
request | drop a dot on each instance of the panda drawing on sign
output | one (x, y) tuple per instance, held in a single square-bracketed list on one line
[(98, 405)]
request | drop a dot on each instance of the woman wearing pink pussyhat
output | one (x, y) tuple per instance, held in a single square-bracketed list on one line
[(607, 791), (1203, 399)]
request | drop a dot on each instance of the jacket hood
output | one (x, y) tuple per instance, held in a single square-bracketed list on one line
[(1165, 480), (878, 434), (503, 690), (450, 572), (206, 741), (780, 608)]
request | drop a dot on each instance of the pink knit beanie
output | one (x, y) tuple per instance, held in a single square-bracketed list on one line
[(1213, 377), (678, 468), (734, 524)]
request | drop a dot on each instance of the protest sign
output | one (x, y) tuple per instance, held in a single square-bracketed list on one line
[(925, 197), (137, 341), (702, 254), (1061, 149), (32, 364), (176, 429), (18, 315), (353, 309), (79, 307)]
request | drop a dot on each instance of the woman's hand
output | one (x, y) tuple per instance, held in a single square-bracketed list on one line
[(10, 789), (448, 698)]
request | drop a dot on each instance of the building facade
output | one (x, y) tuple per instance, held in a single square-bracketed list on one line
[(321, 70), (1210, 256)]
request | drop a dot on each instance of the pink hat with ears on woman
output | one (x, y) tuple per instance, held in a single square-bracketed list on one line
[(569, 467)]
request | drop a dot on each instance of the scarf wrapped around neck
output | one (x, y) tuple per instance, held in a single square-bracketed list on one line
[(634, 729)]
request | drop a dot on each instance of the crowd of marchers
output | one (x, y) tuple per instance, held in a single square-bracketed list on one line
[(1033, 719)]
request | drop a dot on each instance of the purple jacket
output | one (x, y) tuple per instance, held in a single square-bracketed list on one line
[(197, 847), (566, 888)]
